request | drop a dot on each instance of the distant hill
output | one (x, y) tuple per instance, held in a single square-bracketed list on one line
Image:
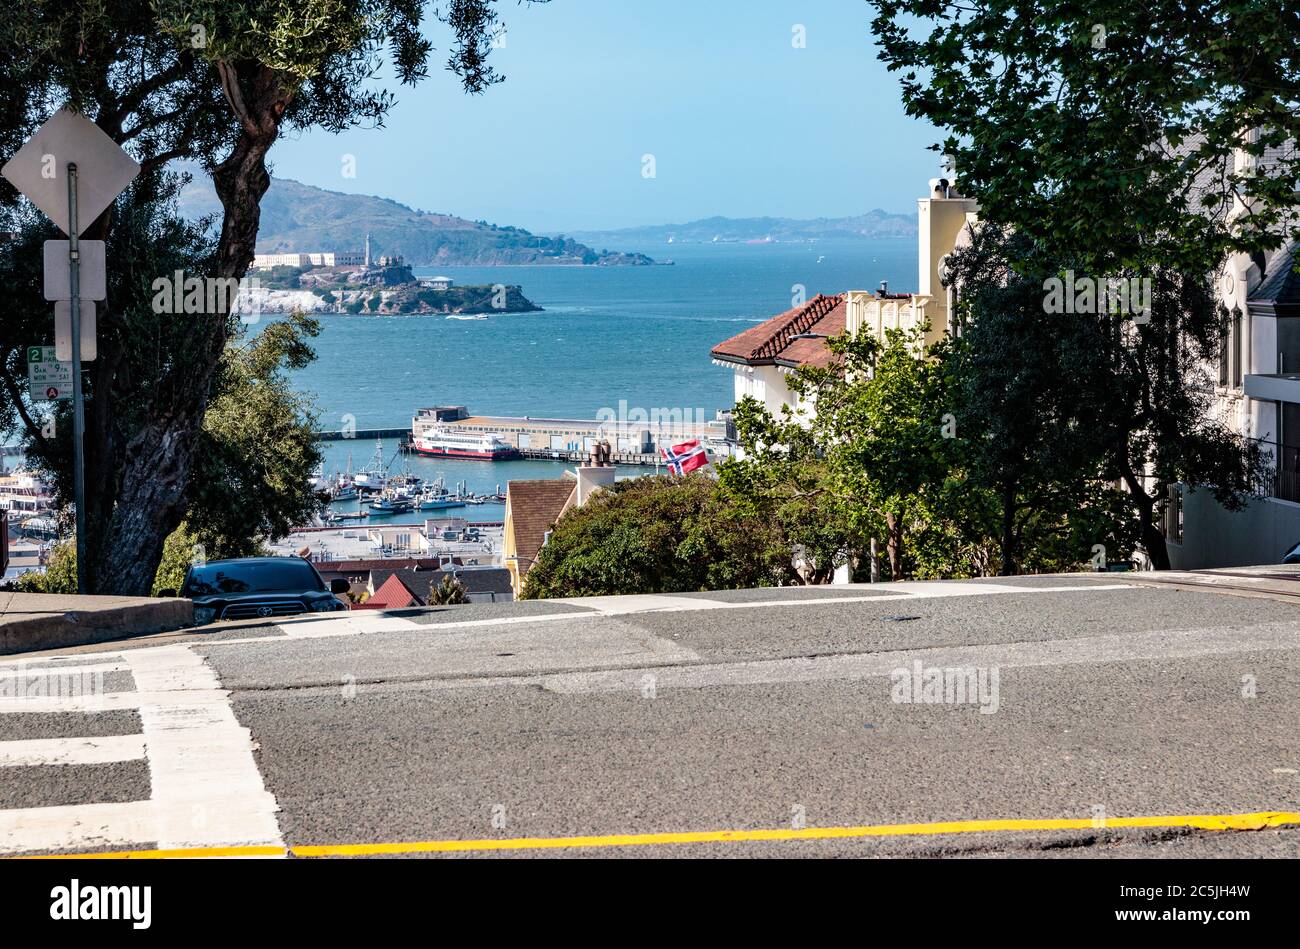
[(299, 217), (873, 224)]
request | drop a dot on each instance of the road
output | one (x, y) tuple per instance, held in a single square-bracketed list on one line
[(1104, 717)]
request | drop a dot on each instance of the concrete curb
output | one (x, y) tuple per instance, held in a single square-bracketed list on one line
[(34, 621)]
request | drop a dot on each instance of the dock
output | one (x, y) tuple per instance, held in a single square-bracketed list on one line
[(367, 434), (633, 440)]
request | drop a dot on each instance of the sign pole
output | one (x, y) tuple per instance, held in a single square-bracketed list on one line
[(78, 406)]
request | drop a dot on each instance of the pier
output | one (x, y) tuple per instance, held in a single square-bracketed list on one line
[(633, 441), (366, 434)]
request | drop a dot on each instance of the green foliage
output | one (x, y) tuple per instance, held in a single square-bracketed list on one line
[(450, 592), (863, 459), (180, 550), (659, 534), (1113, 147), (258, 445), (282, 278), (1111, 154), (195, 80), (60, 574)]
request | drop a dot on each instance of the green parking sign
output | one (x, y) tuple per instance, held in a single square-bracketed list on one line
[(47, 378)]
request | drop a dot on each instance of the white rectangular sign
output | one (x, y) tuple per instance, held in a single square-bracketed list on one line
[(93, 277), (63, 330), (48, 378)]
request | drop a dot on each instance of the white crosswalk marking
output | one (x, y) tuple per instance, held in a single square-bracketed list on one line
[(36, 751), (205, 789)]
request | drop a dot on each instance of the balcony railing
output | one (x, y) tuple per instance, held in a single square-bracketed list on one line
[(1283, 481)]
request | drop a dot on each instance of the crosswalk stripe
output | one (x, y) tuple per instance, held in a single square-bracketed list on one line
[(48, 751), (27, 670), (205, 788), (107, 701), (77, 827)]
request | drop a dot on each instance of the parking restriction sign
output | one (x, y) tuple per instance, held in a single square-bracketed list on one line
[(47, 378)]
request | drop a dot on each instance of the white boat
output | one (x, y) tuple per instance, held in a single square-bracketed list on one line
[(449, 443)]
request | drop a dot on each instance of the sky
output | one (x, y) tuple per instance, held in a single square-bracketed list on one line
[(740, 121)]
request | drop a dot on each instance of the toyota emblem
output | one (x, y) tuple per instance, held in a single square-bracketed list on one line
[(264, 611)]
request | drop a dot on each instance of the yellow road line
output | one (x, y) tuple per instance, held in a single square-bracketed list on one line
[(1211, 822)]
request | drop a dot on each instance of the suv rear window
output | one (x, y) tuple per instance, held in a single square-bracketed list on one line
[(288, 575)]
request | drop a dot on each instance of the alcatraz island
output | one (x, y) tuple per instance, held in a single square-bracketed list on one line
[(357, 284)]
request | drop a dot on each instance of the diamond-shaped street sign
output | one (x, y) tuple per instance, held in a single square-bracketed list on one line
[(39, 169), (93, 284), (63, 331)]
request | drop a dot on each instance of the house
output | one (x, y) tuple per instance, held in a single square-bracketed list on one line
[(533, 507), (1257, 394), (394, 590), (763, 356), (436, 283), (358, 572)]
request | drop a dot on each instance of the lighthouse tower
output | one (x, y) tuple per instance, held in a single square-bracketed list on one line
[(367, 250)]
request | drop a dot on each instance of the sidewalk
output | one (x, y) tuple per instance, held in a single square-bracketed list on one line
[(30, 621)]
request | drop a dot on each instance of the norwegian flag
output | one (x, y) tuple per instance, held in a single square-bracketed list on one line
[(685, 457)]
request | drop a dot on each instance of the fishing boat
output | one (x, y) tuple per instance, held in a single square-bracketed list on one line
[(344, 491), (372, 478), (391, 505), (406, 484), (448, 443), (429, 502)]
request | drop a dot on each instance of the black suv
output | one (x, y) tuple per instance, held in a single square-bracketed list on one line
[(259, 588)]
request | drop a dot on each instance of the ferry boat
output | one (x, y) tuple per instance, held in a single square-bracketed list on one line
[(445, 443)]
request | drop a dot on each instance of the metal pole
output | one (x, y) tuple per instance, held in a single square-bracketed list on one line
[(875, 562), (78, 407)]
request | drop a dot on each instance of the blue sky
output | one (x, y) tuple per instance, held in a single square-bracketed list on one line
[(740, 123)]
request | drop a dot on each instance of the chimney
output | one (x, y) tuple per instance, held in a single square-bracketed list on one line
[(598, 473)]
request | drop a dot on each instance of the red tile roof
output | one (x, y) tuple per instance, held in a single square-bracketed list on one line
[(773, 342)]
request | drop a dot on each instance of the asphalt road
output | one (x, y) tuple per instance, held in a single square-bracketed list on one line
[(1075, 708)]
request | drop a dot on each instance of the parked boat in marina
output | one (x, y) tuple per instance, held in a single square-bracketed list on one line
[(391, 505)]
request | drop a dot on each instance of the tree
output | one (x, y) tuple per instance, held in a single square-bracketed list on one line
[(1025, 410), (659, 534), (450, 592), (258, 445), (1106, 138), (782, 478), (217, 83), (1108, 132), (868, 449)]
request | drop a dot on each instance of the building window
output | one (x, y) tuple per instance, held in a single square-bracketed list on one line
[(1237, 353), (1174, 515), (1224, 353)]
